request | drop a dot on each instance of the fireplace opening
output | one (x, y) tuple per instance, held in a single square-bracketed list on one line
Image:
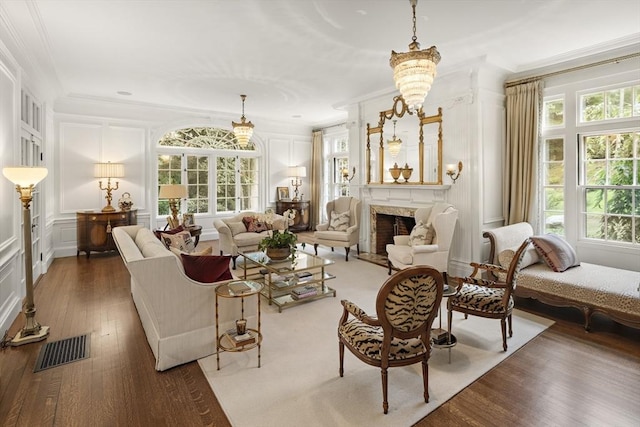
[(388, 226)]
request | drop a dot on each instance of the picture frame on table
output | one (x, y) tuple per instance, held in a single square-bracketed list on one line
[(283, 193), (187, 220)]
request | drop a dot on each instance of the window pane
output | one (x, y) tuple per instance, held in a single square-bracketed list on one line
[(619, 201), (554, 199), (592, 107), (554, 112), (554, 223), (554, 149), (596, 172), (595, 227), (619, 228), (594, 200)]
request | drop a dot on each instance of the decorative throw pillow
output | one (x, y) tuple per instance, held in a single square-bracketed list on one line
[(556, 252), (206, 251), (422, 234), (159, 233), (207, 268), (530, 257), (339, 221), (181, 241), (254, 225)]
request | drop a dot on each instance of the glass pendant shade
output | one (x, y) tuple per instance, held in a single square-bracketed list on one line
[(394, 144), (243, 131), (414, 71)]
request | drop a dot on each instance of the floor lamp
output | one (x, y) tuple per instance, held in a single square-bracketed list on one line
[(25, 178)]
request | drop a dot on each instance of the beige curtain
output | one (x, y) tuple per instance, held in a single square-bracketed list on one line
[(316, 179), (521, 151)]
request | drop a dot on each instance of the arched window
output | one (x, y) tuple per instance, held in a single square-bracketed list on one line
[(221, 176)]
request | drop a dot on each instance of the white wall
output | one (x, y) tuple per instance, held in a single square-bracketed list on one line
[(472, 100), (87, 132)]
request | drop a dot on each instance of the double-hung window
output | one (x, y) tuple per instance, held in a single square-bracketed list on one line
[(336, 170), (599, 132), (609, 170)]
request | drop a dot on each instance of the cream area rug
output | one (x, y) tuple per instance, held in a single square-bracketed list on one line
[(298, 383)]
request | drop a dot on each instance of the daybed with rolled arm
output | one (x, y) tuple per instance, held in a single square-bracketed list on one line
[(589, 287)]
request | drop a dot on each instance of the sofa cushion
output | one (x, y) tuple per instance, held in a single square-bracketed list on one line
[(249, 239), (236, 227), (339, 236), (148, 245), (181, 240), (556, 252), (207, 268), (339, 221)]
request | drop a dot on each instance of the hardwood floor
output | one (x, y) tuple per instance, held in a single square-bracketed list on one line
[(565, 376)]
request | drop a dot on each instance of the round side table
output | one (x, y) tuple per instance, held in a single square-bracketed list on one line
[(230, 340), (451, 339)]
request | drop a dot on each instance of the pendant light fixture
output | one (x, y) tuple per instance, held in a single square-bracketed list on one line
[(394, 144), (243, 130), (415, 70)]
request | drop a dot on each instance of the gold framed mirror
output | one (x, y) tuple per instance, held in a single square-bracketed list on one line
[(421, 144)]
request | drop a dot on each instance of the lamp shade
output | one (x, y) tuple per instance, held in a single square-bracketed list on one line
[(297, 171), (108, 170), (172, 191), (24, 176)]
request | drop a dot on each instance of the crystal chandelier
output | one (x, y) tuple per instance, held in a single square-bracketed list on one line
[(415, 70), (243, 130), (394, 144)]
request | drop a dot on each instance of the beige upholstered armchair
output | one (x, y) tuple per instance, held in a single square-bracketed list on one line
[(343, 228), (238, 234), (429, 241)]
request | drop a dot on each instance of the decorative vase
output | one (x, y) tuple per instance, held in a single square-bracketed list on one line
[(406, 172), (278, 254), (395, 172)]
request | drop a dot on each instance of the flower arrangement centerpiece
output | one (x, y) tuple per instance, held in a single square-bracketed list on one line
[(280, 245)]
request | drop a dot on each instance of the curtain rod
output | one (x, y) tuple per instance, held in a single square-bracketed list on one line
[(569, 70), (332, 126)]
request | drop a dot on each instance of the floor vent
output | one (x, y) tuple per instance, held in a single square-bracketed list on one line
[(61, 352)]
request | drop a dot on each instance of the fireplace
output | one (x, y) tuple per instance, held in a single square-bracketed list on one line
[(386, 222)]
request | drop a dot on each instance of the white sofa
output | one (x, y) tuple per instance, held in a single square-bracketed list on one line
[(178, 314), (234, 237), (589, 287)]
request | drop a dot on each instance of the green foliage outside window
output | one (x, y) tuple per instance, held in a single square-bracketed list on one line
[(611, 104), (611, 202)]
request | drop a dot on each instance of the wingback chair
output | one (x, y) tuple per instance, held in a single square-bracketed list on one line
[(343, 228), (488, 298), (407, 251), (400, 335)]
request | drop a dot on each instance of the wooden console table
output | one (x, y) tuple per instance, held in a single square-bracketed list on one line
[(94, 229), (301, 220)]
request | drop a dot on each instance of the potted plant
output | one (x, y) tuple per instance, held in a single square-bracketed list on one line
[(280, 244)]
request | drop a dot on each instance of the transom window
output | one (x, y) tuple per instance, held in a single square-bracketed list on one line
[(617, 103)]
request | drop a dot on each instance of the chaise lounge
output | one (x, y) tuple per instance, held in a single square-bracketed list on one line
[(589, 287)]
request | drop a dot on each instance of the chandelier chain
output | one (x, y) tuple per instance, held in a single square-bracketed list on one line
[(413, 7)]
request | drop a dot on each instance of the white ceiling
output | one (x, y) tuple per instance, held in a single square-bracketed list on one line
[(294, 59)]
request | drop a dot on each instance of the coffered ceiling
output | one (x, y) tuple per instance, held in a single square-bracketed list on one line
[(297, 60)]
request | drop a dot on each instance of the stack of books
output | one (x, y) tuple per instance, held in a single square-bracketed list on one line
[(238, 288), (235, 340), (304, 292)]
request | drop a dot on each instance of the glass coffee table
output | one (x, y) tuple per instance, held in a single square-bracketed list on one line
[(291, 281)]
